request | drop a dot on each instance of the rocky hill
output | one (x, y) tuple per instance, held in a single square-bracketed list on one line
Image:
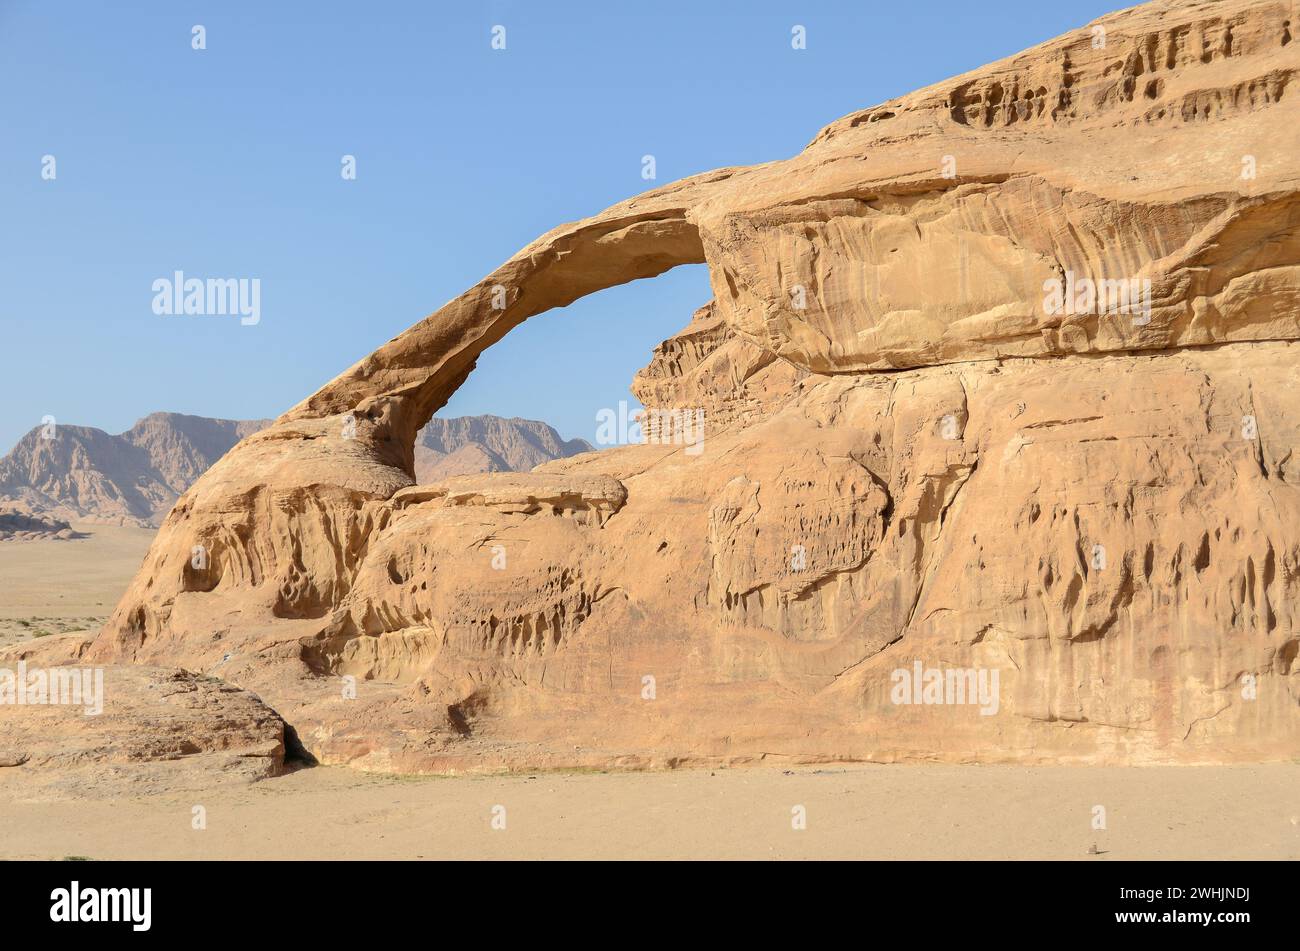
[(79, 473), (467, 444), (83, 474), (17, 522)]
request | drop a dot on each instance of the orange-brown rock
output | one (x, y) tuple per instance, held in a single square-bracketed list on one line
[(87, 475), (132, 730), (925, 444)]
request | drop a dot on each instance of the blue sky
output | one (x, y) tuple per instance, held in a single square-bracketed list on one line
[(225, 162)]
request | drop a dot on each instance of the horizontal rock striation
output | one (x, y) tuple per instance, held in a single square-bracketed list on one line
[(999, 459)]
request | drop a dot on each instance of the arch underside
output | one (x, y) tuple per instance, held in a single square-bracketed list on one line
[(906, 456)]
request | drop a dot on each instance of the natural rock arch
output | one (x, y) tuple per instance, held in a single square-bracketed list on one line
[(407, 380), (931, 439)]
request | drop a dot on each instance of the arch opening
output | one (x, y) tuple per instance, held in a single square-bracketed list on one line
[(580, 362), (401, 385)]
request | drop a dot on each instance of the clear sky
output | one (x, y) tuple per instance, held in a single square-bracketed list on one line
[(226, 162)]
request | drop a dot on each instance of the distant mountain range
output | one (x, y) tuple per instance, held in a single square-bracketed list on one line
[(463, 445), (84, 474)]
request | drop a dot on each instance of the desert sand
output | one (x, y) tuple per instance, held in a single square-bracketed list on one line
[(55, 586), (853, 812)]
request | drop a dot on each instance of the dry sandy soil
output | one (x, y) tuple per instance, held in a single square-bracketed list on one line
[(868, 812), (961, 812), (50, 587)]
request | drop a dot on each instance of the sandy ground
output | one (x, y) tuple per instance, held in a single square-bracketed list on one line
[(50, 587), (859, 812), (871, 812)]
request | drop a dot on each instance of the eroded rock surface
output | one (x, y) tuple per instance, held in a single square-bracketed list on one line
[(132, 730), (910, 456), (18, 522), (84, 474)]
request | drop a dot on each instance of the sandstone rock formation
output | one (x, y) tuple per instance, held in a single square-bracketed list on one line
[(20, 523), (84, 474), (158, 729), (920, 454)]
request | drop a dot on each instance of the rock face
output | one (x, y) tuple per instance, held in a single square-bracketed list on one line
[(999, 457), (19, 523), (80, 473), (464, 445), (84, 474), (156, 730)]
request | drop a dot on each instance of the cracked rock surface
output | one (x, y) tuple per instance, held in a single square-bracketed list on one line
[(908, 456)]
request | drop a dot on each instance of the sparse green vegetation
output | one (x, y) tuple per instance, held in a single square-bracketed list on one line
[(17, 629)]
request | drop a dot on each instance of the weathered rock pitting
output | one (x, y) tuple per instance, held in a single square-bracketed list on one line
[(910, 457)]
